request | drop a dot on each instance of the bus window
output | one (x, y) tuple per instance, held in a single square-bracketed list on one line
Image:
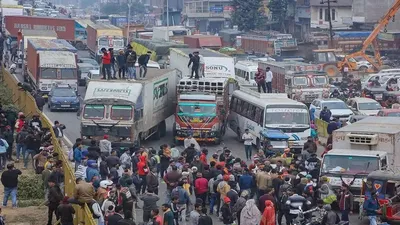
[(247, 76), (244, 108)]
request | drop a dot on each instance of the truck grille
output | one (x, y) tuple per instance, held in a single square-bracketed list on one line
[(310, 98), (363, 139)]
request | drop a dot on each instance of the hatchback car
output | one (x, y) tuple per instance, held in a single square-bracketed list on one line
[(338, 108), (63, 97), (364, 106), (389, 113), (88, 60)]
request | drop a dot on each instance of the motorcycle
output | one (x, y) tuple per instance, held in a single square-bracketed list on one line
[(314, 220)]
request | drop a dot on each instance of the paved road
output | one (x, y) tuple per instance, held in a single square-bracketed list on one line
[(72, 132)]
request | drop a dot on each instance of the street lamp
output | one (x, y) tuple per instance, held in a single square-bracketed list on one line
[(129, 21)]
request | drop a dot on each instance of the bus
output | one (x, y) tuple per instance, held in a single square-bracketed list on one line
[(252, 110), (245, 72)]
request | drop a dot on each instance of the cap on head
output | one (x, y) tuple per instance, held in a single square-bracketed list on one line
[(105, 136)]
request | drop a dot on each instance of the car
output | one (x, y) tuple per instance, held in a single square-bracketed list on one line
[(389, 113), (390, 71), (338, 108), (63, 97), (355, 118), (383, 78), (364, 106), (92, 75), (88, 60), (362, 64), (83, 70)]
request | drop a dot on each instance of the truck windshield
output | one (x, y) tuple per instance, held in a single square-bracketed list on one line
[(93, 112), (121, 112), (103, 42), (118, 43), (349, 164), (68, 73), (369, 106), (197, 109), (319, 80), (287, 116), (48, 73), (300, 81)]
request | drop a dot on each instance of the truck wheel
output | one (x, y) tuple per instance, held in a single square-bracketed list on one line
[(80, 46), (162, 127)]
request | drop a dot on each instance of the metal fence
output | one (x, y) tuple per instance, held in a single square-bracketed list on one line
[(26, 104)]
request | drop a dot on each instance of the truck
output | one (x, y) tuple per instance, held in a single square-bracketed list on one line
[(129, 111), (202, 109), (203, 41), (359, 148), (301, 81), (118, 20), (213, 64), (103, 36), (67, 29), (51, 62)]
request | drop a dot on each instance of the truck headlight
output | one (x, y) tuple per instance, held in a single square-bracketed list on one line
[(128, 139)]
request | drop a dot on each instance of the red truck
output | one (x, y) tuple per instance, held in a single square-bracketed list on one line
[(203, 41)]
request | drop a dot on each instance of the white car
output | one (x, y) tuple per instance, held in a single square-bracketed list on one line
[(338, 108), (364, 106)]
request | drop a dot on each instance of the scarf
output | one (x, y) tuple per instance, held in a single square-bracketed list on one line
[(250, 214)]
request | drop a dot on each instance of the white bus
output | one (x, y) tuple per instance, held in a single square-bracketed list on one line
[(255, 111), (245, 72)]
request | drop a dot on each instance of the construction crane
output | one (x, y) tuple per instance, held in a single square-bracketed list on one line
[(372, 40)]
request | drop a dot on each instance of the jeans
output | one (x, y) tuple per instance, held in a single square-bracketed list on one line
[(106, 71), (345, 215), (113, 70), (131, 73), (26, 155), (195, 71), (183, 212), (20, 148), (372, 220), (143, 185), (13, 193), (52, 210), (121, 70), (143, 71), (269, 87), (248, 149), (3, 160), (261, 85), (9, 150), (213, 199)]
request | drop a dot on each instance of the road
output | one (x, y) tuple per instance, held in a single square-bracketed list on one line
[(72, 132)]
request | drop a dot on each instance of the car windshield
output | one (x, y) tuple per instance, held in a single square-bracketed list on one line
[(196, 109), (369, 106), (49, 73), (335, 105), (349, 164), (121, 112), (63, 92), (93, 112), (301, 81), (287, 116), (393, 114), (319, 80), (68, 73)]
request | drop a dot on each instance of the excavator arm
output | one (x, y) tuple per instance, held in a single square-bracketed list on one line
[(371, 40)]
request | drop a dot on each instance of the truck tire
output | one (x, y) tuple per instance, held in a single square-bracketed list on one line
[(157, 134), (162, 127), (331, 70)]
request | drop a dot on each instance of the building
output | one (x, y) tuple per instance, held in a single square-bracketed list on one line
[(207, 15), (341, 14), (303, 20), (175, 11)]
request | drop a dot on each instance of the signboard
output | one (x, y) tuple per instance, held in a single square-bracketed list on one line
[(160, 94), (117, 92), (219, 67), (287, 110), (317, 67), (217, 9)]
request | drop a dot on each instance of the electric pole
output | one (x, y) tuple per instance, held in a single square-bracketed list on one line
[(329, 18)]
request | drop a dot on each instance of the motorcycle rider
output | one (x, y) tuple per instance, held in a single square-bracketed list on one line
[(295, 203), (335, 94), (330, 217)]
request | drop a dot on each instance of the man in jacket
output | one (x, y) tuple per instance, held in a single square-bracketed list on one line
[(105, 146), (149, 203), (143, 60), (325, 114), (330, 217), (310, 147), (121, 62), (116, 217), (371, 206), (195, 62), (78, 156), (21, 142), (9, 179), (268, 79), (152, 180), (106, 61), (260, 80), (59, 131), (131, 58), (112, 63), (201, 188), (346, 202), (54, 199), (84, 192), (66, 212), (183, 199), (143, 170)]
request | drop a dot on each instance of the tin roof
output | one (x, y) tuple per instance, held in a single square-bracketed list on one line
[(52, 45), (104, 26)]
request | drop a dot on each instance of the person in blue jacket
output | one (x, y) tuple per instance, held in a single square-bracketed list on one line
[(78, 156), (92, 171), (371, 206), (325, 115)]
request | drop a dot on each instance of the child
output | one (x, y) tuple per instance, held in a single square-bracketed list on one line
[(314, 133)]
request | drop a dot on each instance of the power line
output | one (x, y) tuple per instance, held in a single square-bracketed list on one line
[(329, 17)]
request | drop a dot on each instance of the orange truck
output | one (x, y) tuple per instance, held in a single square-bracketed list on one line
[(202, 109)]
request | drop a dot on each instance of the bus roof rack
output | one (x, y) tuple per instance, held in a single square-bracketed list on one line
[(210, 85), (254, 92)]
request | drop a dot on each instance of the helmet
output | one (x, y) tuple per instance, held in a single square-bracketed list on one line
[(105, 183)]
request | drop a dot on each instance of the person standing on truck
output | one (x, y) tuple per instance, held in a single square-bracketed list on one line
[(268, 79), (106, 60), (112, 61), (131, 58), (195, 62), (121, 62), (260, 80), (143, 60)]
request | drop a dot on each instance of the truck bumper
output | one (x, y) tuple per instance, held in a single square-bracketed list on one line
[(202, 136), (114, 144)]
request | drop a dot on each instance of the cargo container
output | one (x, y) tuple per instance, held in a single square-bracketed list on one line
[(65, 28), (270, 45), (129, 111), (134, 31), (103, 36), (51, 62), (118, 21), (203, 41)]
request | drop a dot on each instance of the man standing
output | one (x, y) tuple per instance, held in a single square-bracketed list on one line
[(149, 203), (195, 61), (105, 146), (106, 61), (112, 63), (268, 79), (131, 58), (143, 60), (325, 114), (59, 131), (168, 215), (371, 206), (54, 199), (260, 80), (9, 179), (247, 138), (121, 62)]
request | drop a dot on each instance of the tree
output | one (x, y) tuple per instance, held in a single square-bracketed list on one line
[(278, 9), (247, 14)]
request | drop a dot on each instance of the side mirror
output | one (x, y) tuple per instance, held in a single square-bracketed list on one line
[(319, 108), (78, 113)]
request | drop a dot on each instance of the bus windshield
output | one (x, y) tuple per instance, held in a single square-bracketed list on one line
[(93, 112), (349, 164), (286, 116), (197, 109)]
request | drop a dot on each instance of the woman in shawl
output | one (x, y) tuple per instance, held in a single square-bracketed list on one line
[(268, 217), (240, 204), (250, 214)]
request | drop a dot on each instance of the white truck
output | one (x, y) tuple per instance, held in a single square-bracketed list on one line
[(212, 64), (360, 148), (129, 111)]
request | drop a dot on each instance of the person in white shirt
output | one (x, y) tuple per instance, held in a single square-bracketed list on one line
[(105, 146), (190, 140), (268, 79), (247, 138)]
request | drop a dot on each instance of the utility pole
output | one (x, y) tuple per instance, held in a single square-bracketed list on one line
[(167, 20), (329, 18), (129, 22)]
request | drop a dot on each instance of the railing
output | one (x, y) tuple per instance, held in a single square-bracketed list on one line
[(26, 103)]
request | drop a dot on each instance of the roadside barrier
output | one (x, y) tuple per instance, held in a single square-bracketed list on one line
[(321, 128), (26, 104)]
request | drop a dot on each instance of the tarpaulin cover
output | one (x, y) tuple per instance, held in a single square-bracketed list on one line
[(346, 34), (160, 47)]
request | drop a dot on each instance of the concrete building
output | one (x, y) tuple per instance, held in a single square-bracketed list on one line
[(175, 10), (303, 20), (207, 15), (341, 14)]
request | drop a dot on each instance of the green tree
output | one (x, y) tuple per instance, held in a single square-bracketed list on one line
[(278, 9), (247, 14)]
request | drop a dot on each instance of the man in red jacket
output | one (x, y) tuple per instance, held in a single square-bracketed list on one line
[(106, 61), (143, 170), (201, 188)]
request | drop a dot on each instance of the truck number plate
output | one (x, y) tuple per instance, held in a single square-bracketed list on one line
[(64, 105)]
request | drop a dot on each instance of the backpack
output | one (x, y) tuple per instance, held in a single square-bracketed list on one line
[(142, 59), (21, 137), (131, 58)]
